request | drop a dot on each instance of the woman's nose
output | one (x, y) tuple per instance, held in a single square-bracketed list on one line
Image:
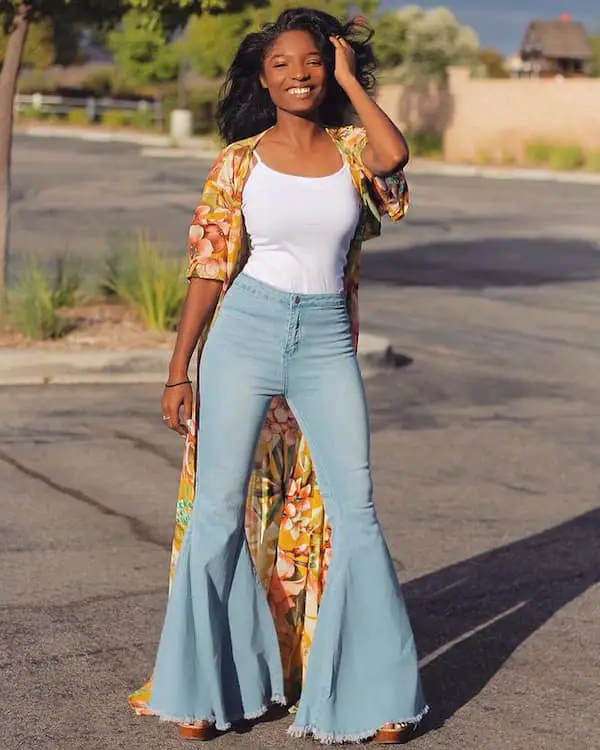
[(301, 74)]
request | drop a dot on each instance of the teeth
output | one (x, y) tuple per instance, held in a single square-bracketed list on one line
[(300, 92)]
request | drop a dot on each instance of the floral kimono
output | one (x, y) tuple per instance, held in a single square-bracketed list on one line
[(287, 529)]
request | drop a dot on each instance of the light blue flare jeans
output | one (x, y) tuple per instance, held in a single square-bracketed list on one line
[(218, 657)]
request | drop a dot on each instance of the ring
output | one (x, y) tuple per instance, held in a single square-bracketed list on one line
[(165, 419)]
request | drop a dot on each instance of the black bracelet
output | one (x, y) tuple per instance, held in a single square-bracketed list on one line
[(174, 385)]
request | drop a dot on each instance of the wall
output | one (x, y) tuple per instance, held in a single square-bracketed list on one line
[(493, 119), (417, 108)]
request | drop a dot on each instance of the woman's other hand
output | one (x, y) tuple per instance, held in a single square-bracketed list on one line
[(177, 404)]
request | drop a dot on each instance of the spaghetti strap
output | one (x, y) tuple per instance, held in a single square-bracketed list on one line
[(257, 157)]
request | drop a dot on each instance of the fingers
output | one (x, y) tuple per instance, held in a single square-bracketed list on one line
[(173, 421), (339, 42), (178, 428), (172, 403)]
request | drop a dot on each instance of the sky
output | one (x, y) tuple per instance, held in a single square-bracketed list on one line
[(502, 23)]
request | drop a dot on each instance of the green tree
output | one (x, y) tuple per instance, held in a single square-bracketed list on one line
[(211, 40), (39, 49), (142, 50), (423, 43), (389, 42), (492, 63)]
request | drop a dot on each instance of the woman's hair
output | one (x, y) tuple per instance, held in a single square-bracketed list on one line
[(245, 107)]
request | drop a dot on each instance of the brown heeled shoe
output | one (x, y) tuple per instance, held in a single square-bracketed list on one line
[(393, 734), (200, 730)]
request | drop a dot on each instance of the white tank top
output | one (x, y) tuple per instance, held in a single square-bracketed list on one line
[(299, 228)]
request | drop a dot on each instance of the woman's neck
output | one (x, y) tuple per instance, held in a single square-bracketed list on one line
[(297, 131)]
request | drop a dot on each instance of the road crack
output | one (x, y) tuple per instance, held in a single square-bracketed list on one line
[(147, 447), (140, 530)]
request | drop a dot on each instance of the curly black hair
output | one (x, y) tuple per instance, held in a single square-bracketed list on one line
[(245, 107)]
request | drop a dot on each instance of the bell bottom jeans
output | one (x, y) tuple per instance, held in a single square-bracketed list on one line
[(218, 657)]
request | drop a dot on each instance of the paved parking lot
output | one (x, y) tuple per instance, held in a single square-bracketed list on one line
[(486, 444)]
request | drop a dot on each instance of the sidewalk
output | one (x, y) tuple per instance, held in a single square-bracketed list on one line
[(161, 147), (418, 165), (34, 366)]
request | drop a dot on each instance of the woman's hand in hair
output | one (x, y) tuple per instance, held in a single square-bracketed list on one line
[(345, 61)]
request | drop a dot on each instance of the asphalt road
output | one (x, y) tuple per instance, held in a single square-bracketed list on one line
[(486, 445)]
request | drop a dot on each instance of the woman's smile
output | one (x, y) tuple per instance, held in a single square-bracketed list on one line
[(301, 92)]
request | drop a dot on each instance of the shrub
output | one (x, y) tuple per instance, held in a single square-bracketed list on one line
[(142, 118), (483, 157), (537, 153), (36, 299), (592, 161), (109, 81), (37, 81), (66, 283), (148, 282), (115, 118), (566, 157), (78, 117), (424, 143), (555, 156), (99, 82), (34, 113)]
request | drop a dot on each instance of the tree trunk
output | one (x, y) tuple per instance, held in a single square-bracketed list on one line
[(8, 87)]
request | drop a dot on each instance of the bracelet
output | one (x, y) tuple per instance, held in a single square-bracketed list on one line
[(174, 385)]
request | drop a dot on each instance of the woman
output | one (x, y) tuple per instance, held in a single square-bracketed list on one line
[(273, 269)]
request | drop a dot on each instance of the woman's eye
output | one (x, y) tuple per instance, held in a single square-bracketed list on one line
[(279, 65), (314, 62)]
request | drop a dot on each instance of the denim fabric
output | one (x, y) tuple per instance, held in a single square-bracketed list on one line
[(218, 657)]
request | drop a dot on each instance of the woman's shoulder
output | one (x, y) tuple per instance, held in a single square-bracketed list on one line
[(231, 167), (239, 148), (233, 162)]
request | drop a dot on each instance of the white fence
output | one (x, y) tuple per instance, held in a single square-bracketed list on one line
[(92, 107)]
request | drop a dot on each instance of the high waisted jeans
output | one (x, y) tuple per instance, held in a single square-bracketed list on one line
[(218, 657)]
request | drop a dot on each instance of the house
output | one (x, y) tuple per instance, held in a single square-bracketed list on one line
[(555, 48)]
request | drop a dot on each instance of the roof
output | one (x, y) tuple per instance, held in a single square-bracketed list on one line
[(557, 39)]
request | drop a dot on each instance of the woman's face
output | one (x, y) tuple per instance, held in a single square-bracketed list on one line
[(294, 73)]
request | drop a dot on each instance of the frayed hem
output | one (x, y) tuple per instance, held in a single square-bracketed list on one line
[(332, 738), (276, 700)]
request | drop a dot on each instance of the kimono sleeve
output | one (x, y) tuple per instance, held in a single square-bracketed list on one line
[(389, 194), (208, 237)]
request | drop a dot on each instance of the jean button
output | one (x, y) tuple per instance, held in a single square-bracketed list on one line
[(297, 299)]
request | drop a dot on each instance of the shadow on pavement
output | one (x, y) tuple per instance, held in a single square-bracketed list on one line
[(481, 263), (481, 610)]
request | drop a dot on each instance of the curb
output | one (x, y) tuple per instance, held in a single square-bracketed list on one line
[(441, 169), (20, 367), (96, 136), (176, 152)]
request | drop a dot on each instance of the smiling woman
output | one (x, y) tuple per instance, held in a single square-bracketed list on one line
[(276, 557), (247, 106)]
